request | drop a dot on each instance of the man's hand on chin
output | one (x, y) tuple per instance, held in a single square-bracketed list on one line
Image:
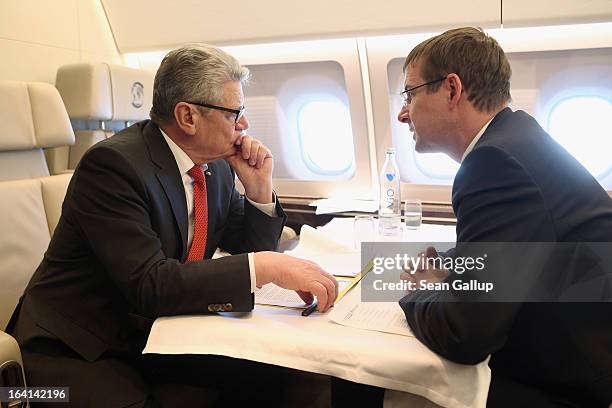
[(253, 164)]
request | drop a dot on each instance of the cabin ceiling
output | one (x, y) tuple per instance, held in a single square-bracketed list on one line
[(143, 25)]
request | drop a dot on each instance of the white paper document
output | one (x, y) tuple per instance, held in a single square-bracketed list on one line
[(334, 205), (332, 256), (315, 241), (273, 295), (348, 265), (385, 317)]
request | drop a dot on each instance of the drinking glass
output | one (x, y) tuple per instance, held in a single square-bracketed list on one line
[(363, 229), (413, 213)]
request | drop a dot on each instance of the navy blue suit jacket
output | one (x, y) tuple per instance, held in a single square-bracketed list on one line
[(519, 185)]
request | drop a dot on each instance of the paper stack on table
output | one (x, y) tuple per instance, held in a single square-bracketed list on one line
[(336, 205), (385, 317), (341, 261), (272, 295), (331, 255)]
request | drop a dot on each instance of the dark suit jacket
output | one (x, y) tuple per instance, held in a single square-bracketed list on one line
[(115, 262), (519, 185)]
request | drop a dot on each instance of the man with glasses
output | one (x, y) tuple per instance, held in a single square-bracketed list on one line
[(143, 215), (515, 184)]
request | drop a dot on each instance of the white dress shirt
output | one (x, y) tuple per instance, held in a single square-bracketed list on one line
[(184, 164), (475, 140)]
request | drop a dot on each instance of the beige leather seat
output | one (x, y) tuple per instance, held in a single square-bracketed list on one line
[(32, 117), (94, 93)]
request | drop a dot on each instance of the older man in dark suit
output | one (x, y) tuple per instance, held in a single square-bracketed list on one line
[(515, 184), (143, 214)]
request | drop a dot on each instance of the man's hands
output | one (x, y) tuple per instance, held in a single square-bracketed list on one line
[(424, 272), (253, 164), (305, 277)]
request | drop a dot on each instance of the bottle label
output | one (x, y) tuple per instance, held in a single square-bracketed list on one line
[(390, 176), (390, 198)]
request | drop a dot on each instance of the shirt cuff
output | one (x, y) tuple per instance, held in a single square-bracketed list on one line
[(252, 271), (268, 209)]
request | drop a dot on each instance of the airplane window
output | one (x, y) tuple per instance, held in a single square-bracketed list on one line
[(325, 136), (435, 168), (436, 165), (302, 113), (581, 125)]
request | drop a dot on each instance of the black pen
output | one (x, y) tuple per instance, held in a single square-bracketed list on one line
[(308, 311)]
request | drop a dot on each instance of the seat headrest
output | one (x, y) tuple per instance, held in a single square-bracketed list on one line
[(32, 115), (100, 91)]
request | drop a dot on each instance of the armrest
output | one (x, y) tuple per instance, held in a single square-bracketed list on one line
[(9, 349), (11, 364)]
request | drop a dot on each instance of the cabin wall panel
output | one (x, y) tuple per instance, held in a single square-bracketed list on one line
[(108, 58), (94, 31), (53, 23), (22, 61), (38, 36)]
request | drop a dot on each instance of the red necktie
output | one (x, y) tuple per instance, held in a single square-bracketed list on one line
[(200, 212)]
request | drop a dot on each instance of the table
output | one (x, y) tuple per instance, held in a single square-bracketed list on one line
[(283, 337)]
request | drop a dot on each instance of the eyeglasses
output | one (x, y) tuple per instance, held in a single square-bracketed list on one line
[(238, 112), (408, 94)]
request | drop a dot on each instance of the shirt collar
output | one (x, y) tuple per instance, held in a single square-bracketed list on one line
[(183, 161), (475, 140)]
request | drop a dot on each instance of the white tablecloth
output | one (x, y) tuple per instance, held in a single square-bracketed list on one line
[(283, 337)]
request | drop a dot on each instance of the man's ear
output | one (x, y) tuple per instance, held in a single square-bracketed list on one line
[(455, 88), (185, 120)]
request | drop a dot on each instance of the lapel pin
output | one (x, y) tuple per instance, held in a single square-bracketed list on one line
[(208, 173)]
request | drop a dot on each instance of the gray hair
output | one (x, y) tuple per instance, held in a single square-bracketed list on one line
[(193, 73)]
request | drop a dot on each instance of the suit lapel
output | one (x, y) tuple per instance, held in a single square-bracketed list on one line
[(168, 176)]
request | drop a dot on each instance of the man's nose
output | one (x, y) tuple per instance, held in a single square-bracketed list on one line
[(243, 123), (403, 115)]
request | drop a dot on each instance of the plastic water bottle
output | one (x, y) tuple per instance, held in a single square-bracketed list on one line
[(389, 211)]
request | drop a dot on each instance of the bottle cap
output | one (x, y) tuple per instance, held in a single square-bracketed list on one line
[(390, 150)]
